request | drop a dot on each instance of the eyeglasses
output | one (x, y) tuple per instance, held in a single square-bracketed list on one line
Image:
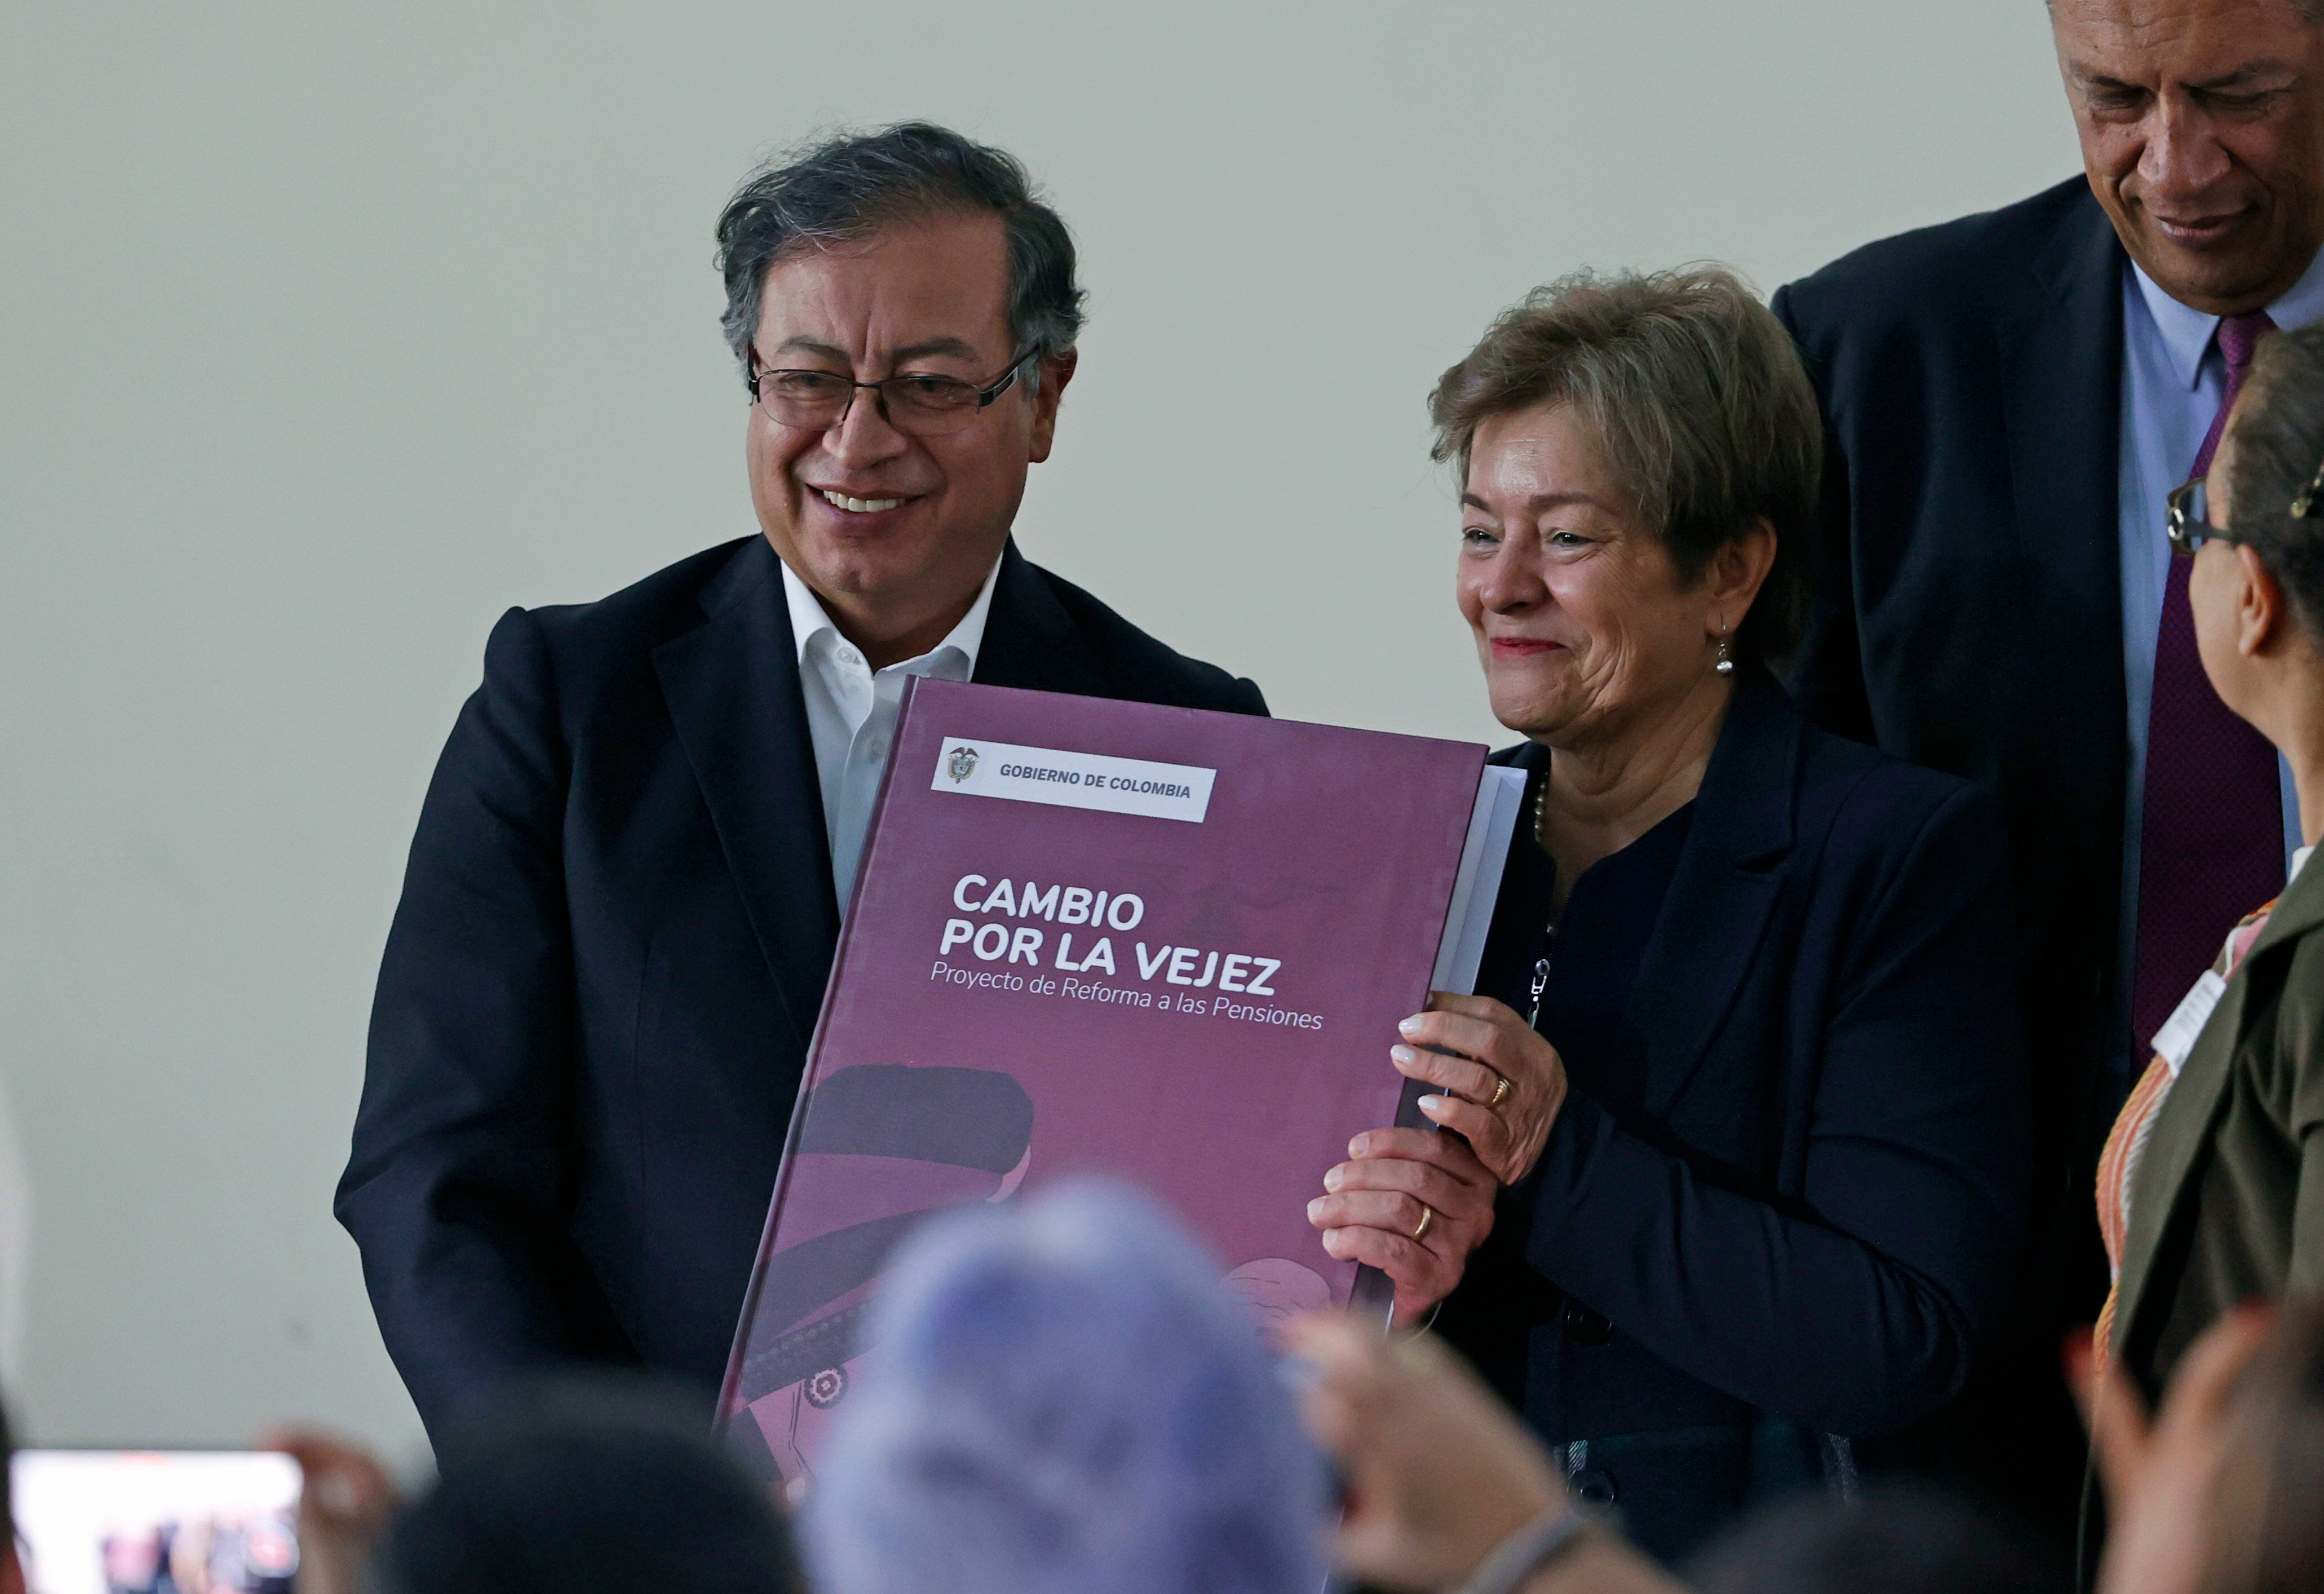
[(921, 405), (2187, 514), (2186, 518)]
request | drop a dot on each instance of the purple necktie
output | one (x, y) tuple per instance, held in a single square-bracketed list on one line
[(2211, 846)]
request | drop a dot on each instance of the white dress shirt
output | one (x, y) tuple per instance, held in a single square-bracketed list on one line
[(852, 708)]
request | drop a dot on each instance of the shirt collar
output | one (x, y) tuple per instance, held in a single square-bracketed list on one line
[(2187, 333), (810, 620)]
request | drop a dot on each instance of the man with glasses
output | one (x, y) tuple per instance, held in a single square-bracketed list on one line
[(2009, 401), (626, 889)]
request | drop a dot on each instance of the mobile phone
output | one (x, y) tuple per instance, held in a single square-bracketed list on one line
[(156, 1522)]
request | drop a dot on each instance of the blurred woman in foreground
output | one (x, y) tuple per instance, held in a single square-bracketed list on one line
[(1067, 1402)]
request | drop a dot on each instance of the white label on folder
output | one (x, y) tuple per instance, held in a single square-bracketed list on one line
[(1066, 779), (2176, 1039)]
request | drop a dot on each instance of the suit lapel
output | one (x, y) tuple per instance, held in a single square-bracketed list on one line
[(732, 687), (2065, 433), (2168, 1169), (2058, 341), (1027, 636), (1720, 897)]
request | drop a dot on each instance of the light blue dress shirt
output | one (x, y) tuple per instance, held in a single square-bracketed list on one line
[(2172, 379)]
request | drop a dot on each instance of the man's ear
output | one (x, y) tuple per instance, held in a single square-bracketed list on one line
[(1056, 370), (2264, 620)]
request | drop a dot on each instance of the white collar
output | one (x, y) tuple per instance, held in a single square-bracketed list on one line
[(810, 620), (2187, 332), (2297, 859)]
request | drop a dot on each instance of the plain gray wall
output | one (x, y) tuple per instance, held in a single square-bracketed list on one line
[(329, 332)]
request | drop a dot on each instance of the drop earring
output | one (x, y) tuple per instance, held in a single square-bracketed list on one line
[(1726, 665)]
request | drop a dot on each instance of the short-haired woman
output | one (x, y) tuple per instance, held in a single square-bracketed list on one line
[(1744, 1113), (2211, 1188)]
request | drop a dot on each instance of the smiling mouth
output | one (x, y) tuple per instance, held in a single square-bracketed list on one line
[(858, 506), (2196, 228)]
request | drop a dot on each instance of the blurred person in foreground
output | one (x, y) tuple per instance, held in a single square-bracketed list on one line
[(1739, 1173), (2009, 397), (1442, 1488), (2221, 1489), (1896, 1539), (1066, 1399), (609, 1484), (626, 887), (1445, 1490), (11, 1565)]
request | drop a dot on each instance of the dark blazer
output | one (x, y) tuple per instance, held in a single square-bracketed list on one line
[(1805, 1221), (597, 996), (1968, 616), (1967, 610)]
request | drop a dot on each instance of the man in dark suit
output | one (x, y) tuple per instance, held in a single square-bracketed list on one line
[(2008, 400), (626, 887)]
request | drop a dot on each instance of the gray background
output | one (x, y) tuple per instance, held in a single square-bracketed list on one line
[(329, 332)]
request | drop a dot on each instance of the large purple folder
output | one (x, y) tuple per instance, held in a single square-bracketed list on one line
[(1100, 938)]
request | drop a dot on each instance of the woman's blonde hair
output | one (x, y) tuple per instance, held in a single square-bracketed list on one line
[(1699, 400)]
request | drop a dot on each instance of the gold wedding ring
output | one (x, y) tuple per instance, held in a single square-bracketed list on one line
[(1427, 1217), (1500, 1092)]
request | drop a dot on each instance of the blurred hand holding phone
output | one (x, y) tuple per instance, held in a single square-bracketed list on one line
[(156, 1522)]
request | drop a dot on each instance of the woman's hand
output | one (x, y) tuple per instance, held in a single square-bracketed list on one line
[(1491, 1048), (1411, 1202)]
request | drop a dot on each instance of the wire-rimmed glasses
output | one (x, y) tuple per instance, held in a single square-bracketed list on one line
[(920, 404)]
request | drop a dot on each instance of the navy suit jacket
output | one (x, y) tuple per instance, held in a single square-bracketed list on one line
[(1805, 1218), (1968, 616), (596, 998), (1968, 610)]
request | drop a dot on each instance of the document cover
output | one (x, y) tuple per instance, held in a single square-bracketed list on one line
[(1162, 945)]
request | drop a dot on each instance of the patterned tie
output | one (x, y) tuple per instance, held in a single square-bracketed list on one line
[(2211, 844)]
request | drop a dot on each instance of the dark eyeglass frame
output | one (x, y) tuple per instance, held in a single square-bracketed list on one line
[(2188, 531), (984, 395)]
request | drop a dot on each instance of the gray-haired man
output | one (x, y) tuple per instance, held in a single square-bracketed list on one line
[(626, 887)]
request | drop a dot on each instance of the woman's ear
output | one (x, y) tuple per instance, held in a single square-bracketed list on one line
[(1739, 569), (2262, 621)]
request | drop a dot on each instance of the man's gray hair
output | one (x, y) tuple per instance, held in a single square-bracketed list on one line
[(846, 186), (1699, 402)]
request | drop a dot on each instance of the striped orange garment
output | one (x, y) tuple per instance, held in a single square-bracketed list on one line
[(2126, 1143)]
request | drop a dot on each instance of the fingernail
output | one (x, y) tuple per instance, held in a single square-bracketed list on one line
[(1405, 1055), (1334, 1180), (1313, 1207), (1431, 1104), (1356, 1147), (1410, 1026)]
